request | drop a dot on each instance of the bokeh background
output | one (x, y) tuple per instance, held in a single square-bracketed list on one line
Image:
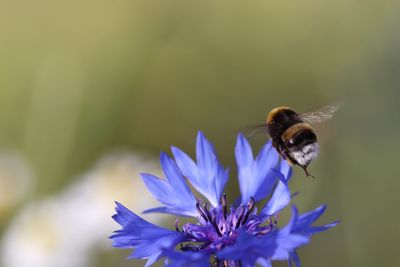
[(92, 91)]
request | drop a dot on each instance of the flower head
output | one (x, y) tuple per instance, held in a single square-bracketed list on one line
[(236, 235)]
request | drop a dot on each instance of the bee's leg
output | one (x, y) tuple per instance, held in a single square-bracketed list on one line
[(286, 154), (305, 170), (279, 147)]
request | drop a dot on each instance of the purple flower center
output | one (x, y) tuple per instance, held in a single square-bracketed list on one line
[(217, 228)]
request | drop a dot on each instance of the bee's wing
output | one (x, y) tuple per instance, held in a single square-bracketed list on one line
[(251, 131), (319, 115)]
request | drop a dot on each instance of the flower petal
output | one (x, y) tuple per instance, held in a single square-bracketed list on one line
[(173, 175), (186, 165), (249, 248), (285, 169), (295, 258), (284, 172), (266, 160), (304, 221), (277, 245), (245, 162), (308, 218), (207, 176), (147, 239), (187, 258), (172, 191), (279, 200), (169, 210), (297, 233), (256, 177)]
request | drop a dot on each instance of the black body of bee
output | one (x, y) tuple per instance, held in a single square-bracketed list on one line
[(293, 138)]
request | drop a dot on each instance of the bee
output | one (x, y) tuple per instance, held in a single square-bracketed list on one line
[(292, 135)]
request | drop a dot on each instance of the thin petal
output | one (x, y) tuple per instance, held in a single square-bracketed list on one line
[(297, 233), (169, 210), (283, 172), (279, 200), (187, 258), (147, 239), (205, 153), (248, 248), (295, 258), (308, 218), (256, 178), (286, 241), (292, 241), (304, 222), (123, 215), (318, 229), (160, 188), (285, 169), (172, 191), (173, 175), (243, 152), (207, 176), (245, 162), (266, 160), (292, 222), (186, 165)]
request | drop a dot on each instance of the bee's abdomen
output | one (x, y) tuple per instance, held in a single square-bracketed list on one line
[(303, 155), (301, 143), (298, 134)]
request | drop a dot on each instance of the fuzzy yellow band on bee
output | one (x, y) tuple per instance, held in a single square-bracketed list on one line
[(294, 129), (272, 113)]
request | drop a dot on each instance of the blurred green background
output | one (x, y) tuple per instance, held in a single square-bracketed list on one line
[(81, 79)]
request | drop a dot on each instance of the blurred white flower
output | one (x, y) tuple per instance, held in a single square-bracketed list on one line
[(63, 230), (16, 181)]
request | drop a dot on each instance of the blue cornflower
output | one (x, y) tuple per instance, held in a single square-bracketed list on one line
[(237, 235)]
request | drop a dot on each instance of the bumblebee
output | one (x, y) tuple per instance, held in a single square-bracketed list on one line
[(292, 135)]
